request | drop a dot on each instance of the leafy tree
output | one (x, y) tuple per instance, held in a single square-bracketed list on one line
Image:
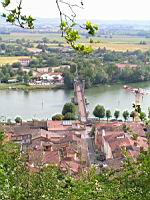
[(1, 136), (148, 112), (69, 116), (142, 116), (68, 79), (99, 111), (108, 114), (26, 78), (16, 65), (69, 108), (133, 115), (30, 73), (125, 115), (18, 120), (57, 117), (116, 114)]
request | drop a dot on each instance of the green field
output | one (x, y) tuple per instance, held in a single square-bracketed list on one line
[(32, 36)]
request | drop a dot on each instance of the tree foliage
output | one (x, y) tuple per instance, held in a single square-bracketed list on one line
[(116, 114), (57, 117), (125, 115), (69, 108), (142, 116), (18, 120), (99, 111), (69, 116), (18, 183), (133, 115), (108, 114)]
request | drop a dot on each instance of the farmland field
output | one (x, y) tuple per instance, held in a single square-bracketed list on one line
[(32, 36), (10, 60), (120, 46), (116, 43)]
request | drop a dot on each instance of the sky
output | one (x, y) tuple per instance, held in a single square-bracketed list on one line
[(93, 9)]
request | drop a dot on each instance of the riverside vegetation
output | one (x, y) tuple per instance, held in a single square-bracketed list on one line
[(97, 68)]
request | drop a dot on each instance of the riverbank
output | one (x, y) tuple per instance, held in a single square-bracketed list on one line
[(26, 87), (42, 104)]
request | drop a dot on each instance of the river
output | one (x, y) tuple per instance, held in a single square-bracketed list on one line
[(42, 104)]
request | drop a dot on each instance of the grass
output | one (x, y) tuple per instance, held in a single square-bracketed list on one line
[(19, 86), (10, 60)]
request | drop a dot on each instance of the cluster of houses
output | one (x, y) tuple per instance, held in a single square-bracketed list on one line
[(49, 142), (63, 143), (47, 78), (45, 75), (49, 75), (114, 140)]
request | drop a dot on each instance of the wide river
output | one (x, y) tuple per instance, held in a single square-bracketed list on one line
[(44, 104)]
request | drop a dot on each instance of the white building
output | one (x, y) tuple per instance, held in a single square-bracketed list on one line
[(53, 77), (25, 61)]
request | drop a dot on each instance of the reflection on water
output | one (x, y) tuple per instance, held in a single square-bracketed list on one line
[(43, 104)]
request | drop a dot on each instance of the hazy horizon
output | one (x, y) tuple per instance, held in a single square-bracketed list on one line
[(115, 10)]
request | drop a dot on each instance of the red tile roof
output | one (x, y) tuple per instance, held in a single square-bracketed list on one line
[(70, 165), (122, 66), (51, 157), (137, 128), (110, 125), (57, 125), (39, 157)]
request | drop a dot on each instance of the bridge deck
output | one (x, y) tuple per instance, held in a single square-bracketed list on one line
[(81, 102)]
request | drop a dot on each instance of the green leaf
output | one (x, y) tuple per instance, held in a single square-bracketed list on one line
[(5, 3)]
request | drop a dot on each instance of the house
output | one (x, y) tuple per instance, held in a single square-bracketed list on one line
[(24, 61), (58, 126), (54, 77), (100, 127), (43, 70), (110, 139), (56, 143), (113, 143), (123, 66)]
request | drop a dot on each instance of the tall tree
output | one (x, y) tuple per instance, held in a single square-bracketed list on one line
[(69, 108), (108, 114), (133, 115), (116, 114), (99, 111), (142, 116), (125, 115), (148, 112)]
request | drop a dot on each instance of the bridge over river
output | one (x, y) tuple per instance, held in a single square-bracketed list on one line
[(80, 100)]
